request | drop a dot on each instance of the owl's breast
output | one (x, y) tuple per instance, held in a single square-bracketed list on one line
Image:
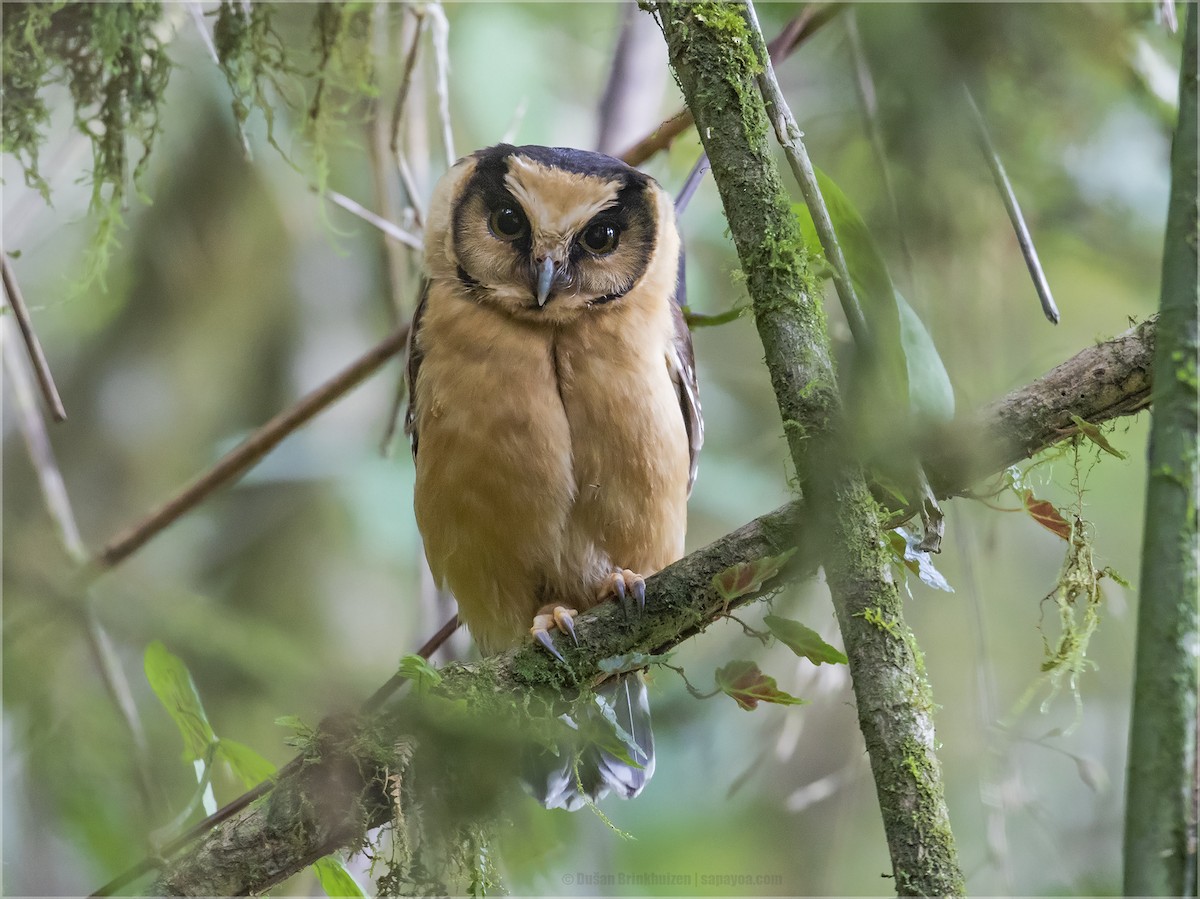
[(494, 480)]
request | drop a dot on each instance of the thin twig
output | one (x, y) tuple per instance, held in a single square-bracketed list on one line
[(391, 229), (695, 176), (440, 38), (58, 504), (236, 462), (398, 108), (659, 139), (1024, 238), (33, 347), (788, 133), (197, 13), (410, 64)]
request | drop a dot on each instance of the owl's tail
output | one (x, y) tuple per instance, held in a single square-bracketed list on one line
[(556, 782)]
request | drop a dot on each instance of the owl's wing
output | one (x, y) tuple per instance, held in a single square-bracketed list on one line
[(415, 355), (681, 360)]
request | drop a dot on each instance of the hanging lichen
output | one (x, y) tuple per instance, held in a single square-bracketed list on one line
[(1076, 598), (114, 64), (344, 76), (252, 58)]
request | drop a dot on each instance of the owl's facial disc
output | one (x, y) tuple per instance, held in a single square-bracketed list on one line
[(547, 233)]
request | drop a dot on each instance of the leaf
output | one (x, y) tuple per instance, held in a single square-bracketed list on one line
[(748, 686), (173, 685), (930, 393), (921, 376), (419, 671), (632, 661), (804, 641), (335, 879), (250, 767), (1094, 434), (748, 577), (1044, 513)]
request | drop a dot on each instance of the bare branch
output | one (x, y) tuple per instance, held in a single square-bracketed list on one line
[(237, 461), (1013, 207), (33, 348), (390, 229)]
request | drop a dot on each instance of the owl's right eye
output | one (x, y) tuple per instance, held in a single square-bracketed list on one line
[(507, 223)]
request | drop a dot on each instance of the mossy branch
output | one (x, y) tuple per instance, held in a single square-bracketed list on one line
[(1161, 806), (332, 800), (716, 52)]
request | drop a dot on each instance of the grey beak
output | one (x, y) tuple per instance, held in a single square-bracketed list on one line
[(546, 272)]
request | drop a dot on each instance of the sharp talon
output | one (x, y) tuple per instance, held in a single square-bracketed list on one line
[(547, 641), (639, 593), (618, 583), (566, 622)]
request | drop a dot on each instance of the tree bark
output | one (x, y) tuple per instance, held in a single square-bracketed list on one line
[(1160, 818), (717, 55)]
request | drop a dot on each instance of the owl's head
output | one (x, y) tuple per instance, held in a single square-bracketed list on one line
[(547, 232)]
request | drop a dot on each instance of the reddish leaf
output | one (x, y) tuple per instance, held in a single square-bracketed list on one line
[(748, 577), (748, 686), (1047, 516)]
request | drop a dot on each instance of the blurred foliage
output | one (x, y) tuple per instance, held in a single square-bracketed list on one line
[(296, 591)]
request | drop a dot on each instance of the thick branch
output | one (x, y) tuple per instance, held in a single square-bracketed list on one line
[(303, 819), (1161, 810), (718, 53)]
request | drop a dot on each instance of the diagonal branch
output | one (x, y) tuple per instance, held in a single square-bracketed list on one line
[(264, 844), (242, 457)]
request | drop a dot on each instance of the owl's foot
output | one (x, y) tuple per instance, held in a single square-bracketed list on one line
[(622, 584), (553, 616)]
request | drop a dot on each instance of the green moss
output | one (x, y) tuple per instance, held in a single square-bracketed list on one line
[(115, 67), (876, 618)]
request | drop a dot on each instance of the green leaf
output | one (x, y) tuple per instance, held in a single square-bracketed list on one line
[(748, 686), (632, 661), (335, 879), (1094, 434), (804, 641), (748, 577), (419, 671), (173, 685), (930, 393), (909, 362), (250, 767)]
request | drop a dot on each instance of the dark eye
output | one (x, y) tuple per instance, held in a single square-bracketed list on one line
[(600, 238), (507, 223)]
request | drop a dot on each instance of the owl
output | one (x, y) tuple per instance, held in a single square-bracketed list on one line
[(554, 416)]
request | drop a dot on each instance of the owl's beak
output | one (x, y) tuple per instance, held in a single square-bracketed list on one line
[(546, 272)]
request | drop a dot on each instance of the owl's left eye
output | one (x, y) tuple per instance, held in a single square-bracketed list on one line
[(600, 238)]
